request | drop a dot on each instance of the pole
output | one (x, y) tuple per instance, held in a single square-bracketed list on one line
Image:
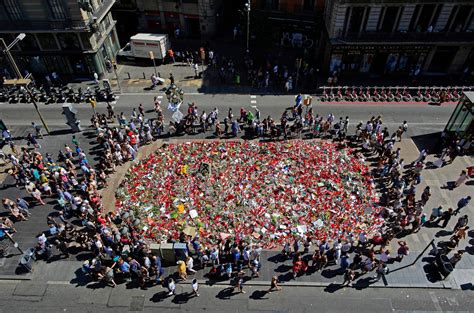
[(37, 109), (11, 60), (15, 244), (117, 77), (248, 25), (154, 66), (7, 50), (298, 66)]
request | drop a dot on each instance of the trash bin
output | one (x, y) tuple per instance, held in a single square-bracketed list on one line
[(32, 253), (180, 251), (27, 262)]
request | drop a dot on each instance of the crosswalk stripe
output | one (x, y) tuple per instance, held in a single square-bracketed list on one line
[(253, 101)]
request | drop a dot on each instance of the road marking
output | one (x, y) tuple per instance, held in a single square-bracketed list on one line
[(2, 262), (253, 101), (159, 97), (253, 97), (435, 301)]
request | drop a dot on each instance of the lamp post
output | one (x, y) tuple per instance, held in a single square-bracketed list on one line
[(19, 76), (247, 8)]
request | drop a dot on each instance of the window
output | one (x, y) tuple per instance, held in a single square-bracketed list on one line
[(459, 24), (389, 19), (356, 19), (271, 4), (12, 9), (57, 9), (47, 41), (69, 41), (308, 5)]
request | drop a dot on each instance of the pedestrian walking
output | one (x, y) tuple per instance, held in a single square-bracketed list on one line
[(171, 78), (195, 287), (462, 222), (171, 287), (274, 284), (37, 130), (445, 217), (403, 250), (349, 277), (239, 283), (381, 271), (462, 203), (196, 70)]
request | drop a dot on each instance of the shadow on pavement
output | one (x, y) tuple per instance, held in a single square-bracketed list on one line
[(259, 295), (226, 294), (430, 142), (331, 288), (159, 296), (182, 298)]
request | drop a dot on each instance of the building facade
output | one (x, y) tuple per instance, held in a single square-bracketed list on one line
[(72, 38), (290, 24), (398, 37), (193, 18)]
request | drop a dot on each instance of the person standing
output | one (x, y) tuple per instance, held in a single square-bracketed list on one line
[(195, 287), (171, 79), (171, 287)]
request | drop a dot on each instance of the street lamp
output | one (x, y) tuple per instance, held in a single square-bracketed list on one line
[(18, 73), (247, 8), (9, 56)]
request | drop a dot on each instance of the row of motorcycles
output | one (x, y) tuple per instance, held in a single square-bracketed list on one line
[(393, 94), (56, 95)]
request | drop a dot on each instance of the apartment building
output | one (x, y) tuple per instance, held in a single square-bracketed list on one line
[(70, 37), (398, 37), (193, 18), (291, 24)]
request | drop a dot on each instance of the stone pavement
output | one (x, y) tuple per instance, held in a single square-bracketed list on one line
[(418, 275)]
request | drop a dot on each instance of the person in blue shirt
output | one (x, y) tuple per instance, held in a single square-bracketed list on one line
[(462, 203)]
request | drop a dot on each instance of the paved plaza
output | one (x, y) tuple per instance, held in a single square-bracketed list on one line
[(55, 279)]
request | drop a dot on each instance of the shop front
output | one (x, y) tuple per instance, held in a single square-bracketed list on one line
[(377, 59), (461, 121)]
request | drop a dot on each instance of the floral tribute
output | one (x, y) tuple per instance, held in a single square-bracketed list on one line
[(264, 193)]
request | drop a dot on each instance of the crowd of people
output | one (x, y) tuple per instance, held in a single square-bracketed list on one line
[(120, 253)]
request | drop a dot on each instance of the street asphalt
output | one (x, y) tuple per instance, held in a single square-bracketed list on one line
[(57, 297)]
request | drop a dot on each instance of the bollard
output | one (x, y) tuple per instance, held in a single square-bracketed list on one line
[(144, 77), (128, 73)]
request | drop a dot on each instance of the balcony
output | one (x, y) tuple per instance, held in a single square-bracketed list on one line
[(418, 37), (44, 26)]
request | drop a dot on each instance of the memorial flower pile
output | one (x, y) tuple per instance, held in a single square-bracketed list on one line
[(260, 192)]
